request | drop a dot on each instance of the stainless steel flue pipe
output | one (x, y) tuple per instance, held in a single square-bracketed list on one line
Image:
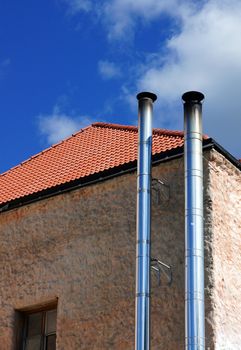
[(143, 226), (194, 236)]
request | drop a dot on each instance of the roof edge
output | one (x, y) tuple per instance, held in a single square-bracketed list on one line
[(225, 153)]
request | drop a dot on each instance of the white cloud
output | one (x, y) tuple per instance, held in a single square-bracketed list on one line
[(76, 6), (202, 53), (205, 50), (121, 16), (57, 126), (205, 56), (108, 70)]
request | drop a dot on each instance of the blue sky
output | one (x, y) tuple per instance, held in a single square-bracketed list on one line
[(67, 63)]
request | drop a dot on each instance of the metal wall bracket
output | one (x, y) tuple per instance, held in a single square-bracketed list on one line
[(160, 268), (162, 191)]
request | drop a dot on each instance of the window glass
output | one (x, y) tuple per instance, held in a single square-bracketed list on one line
[(34, 324), (33, 343), (51, 321), (51, 342)]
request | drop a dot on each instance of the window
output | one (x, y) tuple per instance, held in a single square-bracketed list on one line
[(40, 330)]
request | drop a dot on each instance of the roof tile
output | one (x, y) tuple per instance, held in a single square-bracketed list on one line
[(99, 147)]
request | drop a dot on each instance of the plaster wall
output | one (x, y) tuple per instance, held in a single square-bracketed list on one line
[(224, 248), (79, 247)]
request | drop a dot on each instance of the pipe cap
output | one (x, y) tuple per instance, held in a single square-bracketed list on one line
[(146, 94), (193, 96)]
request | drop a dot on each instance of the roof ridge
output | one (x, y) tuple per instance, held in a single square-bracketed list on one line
[(114, 126), (44, 151), (135, 128)]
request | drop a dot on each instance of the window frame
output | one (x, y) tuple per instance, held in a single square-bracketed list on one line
[(44, 333)]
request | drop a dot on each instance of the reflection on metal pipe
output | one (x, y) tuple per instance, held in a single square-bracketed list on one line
[(194, 237), (143, 226)]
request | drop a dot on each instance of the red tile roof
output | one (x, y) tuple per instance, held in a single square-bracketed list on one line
[(92, 150)]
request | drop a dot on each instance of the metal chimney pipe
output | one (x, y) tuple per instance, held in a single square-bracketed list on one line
[(194, 236), (143, 226)]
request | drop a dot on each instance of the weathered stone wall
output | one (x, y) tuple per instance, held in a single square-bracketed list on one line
[(225, 252), (80, 248)]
